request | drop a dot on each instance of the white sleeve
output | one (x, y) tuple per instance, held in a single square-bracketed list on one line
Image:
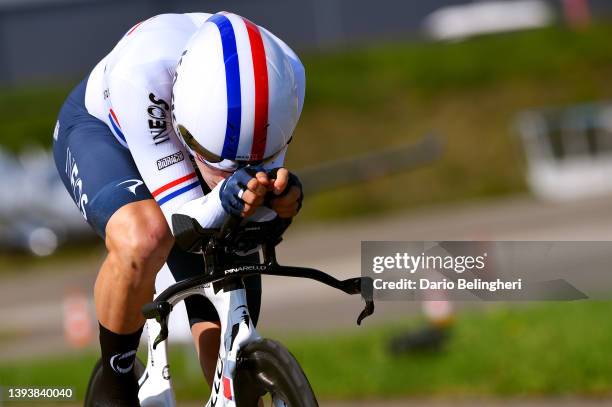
[(209, 212), (165, 166)]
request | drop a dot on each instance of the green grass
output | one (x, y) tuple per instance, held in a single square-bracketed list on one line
[(367, 98), (543, 350), (539, 350)]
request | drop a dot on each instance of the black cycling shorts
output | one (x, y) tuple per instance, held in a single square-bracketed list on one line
[(95, 170)]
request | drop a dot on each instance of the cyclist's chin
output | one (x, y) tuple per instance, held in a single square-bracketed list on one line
[(212, 176)]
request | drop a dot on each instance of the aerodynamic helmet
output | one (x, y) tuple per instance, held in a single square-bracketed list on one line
[(236, 98)]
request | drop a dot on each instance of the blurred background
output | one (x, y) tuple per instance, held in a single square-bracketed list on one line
[(429, 120)]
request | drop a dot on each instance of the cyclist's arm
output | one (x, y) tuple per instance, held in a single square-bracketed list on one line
[(143, 114), (208, 210)]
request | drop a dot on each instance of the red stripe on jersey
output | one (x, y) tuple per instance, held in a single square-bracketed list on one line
[(115, 117), (260, 68), (173, 184)]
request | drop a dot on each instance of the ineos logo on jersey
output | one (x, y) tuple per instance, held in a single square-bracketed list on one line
[(72, 170), (156, 112), (116, 360), (158, 119), (135, 184), (170, 160)]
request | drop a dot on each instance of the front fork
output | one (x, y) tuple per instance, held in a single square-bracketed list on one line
[(236, 331), (155, 385)]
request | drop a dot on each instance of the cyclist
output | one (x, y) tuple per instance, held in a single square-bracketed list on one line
[(185, 114)]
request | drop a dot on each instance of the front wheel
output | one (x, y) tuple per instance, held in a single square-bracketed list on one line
[(266, 367)]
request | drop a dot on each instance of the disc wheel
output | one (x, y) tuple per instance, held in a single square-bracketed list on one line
[(95, 390), (266, 369)]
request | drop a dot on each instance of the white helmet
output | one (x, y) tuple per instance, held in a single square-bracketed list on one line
[(235, 96)]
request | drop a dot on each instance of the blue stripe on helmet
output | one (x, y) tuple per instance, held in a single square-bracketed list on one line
[(232, 80)]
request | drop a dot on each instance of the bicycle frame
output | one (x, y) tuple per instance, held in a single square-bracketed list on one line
[(236, 330)]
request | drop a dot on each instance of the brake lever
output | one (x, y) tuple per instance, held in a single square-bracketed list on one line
[(367, 311), (366, 289), (160, 311), (163, 333)]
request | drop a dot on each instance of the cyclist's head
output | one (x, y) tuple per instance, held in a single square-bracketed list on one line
[(235, 97)]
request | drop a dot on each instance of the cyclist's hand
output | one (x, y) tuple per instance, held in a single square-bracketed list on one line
[(244, 191), (287, 190), (255, 193)]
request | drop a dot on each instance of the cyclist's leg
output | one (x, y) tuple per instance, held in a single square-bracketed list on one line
[(203, 318), (207, 339), (103, 180), (200, 311), (138, 240)]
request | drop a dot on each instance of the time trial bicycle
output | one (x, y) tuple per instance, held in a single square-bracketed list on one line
[(249, 367)]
